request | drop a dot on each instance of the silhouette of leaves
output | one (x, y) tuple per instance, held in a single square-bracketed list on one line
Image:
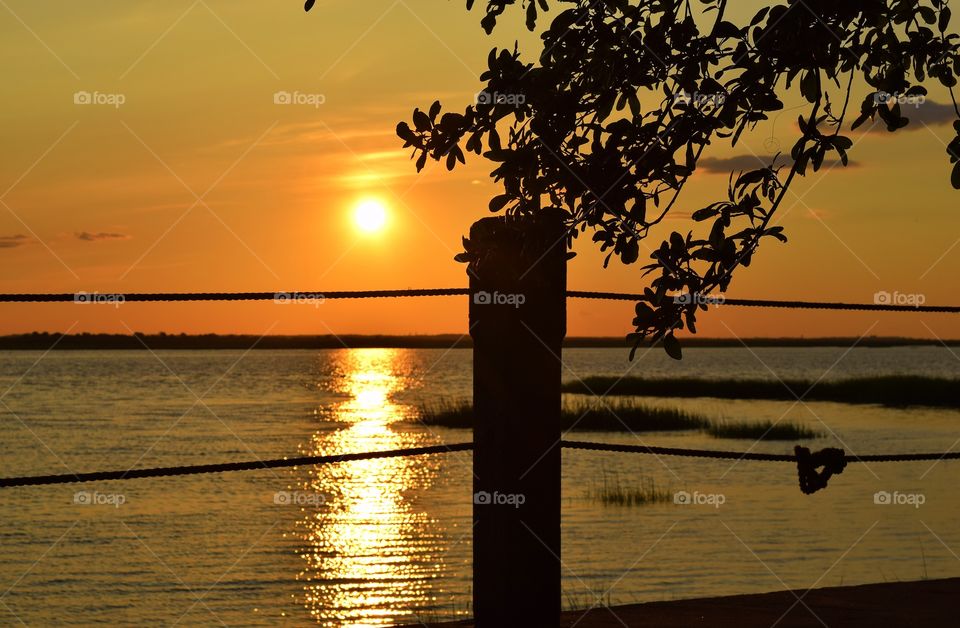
[(625, 96)]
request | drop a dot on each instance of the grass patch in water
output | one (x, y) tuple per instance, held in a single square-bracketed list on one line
[(629, 416), (611, 492), (582, 415), (761, 430)]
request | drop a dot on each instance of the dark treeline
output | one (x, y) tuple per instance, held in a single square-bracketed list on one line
[(42, 341)]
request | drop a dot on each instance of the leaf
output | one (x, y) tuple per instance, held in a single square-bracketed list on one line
[(726, 30), (672, 346), (810, 86), (498, 202), (309, 5), (421, 120), (493, 140), (703, 214), (630, 253), (404, 132), (531, 16)]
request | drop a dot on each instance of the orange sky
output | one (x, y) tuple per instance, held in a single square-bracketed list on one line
[(200, 181)]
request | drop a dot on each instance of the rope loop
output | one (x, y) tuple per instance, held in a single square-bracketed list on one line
[(832, 460)]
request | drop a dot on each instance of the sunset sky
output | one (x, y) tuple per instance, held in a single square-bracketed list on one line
[(199, 181)]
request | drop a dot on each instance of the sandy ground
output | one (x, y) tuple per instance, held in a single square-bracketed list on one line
[(925, 603)]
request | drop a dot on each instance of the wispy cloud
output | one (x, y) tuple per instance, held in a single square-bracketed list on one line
[(928, 113), (13, 241), (86, 236)]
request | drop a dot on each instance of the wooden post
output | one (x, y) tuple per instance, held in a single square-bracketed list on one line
[(518, 322)]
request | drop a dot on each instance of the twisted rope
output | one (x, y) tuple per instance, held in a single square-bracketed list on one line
[(141, 297), (132, 474), (232, 296), (804, 305), (735, 455)]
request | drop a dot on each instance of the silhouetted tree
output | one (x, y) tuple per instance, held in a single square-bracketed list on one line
[(578, 137)]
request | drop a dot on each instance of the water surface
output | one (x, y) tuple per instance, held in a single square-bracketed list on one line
[(372, 543)]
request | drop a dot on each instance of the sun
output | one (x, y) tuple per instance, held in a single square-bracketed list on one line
[(370, 215)]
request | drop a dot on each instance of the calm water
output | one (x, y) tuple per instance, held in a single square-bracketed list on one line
[(379, 542)]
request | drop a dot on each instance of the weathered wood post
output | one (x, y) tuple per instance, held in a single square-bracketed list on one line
[(518, 322)]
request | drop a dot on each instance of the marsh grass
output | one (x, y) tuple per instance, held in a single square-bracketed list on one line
[(581, 415), (628, 416), (887, 390), (446, 413), (762, 430), (612, 492)]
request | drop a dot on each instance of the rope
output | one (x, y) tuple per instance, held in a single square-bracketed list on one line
[(83, 297), (735, 455), (132, 474), (814, 470), (806, 305), (93, 297)]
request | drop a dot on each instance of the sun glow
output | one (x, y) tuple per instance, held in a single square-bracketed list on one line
[(370, 215)]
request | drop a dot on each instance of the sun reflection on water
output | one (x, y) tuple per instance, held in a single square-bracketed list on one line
[(369, 554)]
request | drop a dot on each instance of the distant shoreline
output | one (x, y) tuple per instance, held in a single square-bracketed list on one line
[(44, 341)]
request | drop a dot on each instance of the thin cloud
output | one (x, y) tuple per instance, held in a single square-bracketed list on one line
[(86, 236), (13, 241), (928, 113), (726, 165)]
